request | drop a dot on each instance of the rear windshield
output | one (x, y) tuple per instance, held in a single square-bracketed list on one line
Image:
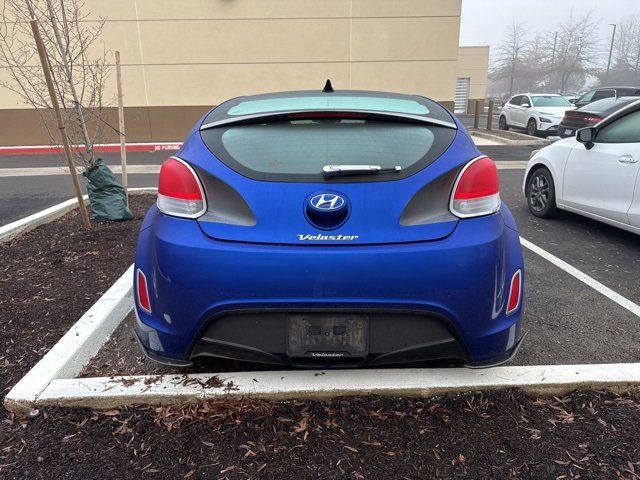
[(296, 150), (599, 105), (328, 102), (608, 105)]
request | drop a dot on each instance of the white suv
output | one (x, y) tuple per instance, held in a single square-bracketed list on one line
[(539, 114)]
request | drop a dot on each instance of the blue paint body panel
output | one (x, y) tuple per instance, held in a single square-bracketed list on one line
[(456, 269)]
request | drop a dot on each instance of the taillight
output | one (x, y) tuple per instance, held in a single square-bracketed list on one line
[(514, 292), (143, 291), (477, 189), (593, 120), (179, 190)]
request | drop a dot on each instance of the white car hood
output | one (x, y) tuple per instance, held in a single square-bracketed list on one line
[(554, 111)]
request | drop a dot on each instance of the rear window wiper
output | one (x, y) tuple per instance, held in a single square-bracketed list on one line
[(343, 170)]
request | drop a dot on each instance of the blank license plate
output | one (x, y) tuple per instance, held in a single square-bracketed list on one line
[(319, 335)]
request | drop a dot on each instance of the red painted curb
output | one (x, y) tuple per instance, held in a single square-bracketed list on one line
[(100, 148)]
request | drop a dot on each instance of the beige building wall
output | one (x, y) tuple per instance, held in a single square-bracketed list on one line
[(181, 57), (473, 63)]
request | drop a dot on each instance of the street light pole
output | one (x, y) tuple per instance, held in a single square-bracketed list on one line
[(613, 38), (553, 59)]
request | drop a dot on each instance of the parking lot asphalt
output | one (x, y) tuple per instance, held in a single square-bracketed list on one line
[(567, 320)]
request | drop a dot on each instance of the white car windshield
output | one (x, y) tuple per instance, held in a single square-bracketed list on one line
[(550, 101)]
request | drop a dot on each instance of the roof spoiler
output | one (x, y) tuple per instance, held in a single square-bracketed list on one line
[(306, 114)]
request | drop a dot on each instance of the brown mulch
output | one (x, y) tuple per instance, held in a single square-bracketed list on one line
[(500, 435), (50, 276)]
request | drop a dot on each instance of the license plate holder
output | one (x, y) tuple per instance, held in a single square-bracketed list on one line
[(328, 336)]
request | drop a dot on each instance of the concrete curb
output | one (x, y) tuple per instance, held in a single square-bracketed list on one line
[(51, 382), (81, 342), (521, 139), (48, 171), (12, 230), (107, 393)]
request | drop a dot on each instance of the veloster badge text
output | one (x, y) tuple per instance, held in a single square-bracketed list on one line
[(320, 237)]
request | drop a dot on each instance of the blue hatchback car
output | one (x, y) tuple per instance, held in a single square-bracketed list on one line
[(329, 228)]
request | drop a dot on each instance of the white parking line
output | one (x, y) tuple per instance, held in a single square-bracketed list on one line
[(46, 171), (583, 277), (511, 164)]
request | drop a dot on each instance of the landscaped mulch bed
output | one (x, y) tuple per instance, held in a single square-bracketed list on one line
[(50, 276), (495, 436)]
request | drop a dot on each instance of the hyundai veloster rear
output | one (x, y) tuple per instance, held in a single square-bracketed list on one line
[(328, 228)]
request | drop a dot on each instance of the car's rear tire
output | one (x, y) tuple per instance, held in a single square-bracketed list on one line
[(532, 127), (541, 193), (502, 123)]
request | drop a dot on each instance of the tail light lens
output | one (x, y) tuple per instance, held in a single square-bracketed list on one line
[(593, 119), (179, 191), (514, 292), (143, 291), (477, 189)]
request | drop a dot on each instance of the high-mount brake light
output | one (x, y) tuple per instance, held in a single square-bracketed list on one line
[(143, 291), (179, 190), (514, 292), (476, 191)]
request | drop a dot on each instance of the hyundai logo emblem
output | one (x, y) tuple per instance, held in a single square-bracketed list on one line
[(327, 202)]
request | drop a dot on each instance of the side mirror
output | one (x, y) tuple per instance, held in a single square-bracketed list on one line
[(525, 105), (586, 136)]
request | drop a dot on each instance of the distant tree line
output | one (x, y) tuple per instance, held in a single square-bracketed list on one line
[(564, 59)]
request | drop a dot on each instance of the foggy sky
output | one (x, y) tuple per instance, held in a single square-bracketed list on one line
[(483, 21)]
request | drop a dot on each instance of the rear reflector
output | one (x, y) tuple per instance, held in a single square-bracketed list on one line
[(477, 189), (179, 191), (143, 292), (514, 292)]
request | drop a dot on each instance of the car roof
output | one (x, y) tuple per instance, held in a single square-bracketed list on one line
[(537, 94), (609, 103), (630, 87)]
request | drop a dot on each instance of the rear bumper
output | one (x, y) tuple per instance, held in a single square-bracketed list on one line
[(442, 299)]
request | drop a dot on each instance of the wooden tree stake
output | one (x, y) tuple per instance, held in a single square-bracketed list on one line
[(123, 146), (63, 133)]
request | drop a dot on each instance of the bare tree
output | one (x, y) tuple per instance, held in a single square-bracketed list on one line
[(79, 70), (78, 65), (537, 63), (508, 61), (577, 52)]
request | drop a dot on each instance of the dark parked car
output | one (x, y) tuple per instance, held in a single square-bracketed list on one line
[(591, 114), (606, 92)]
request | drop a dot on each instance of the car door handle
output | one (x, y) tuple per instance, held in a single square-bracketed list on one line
[(627, 159)]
